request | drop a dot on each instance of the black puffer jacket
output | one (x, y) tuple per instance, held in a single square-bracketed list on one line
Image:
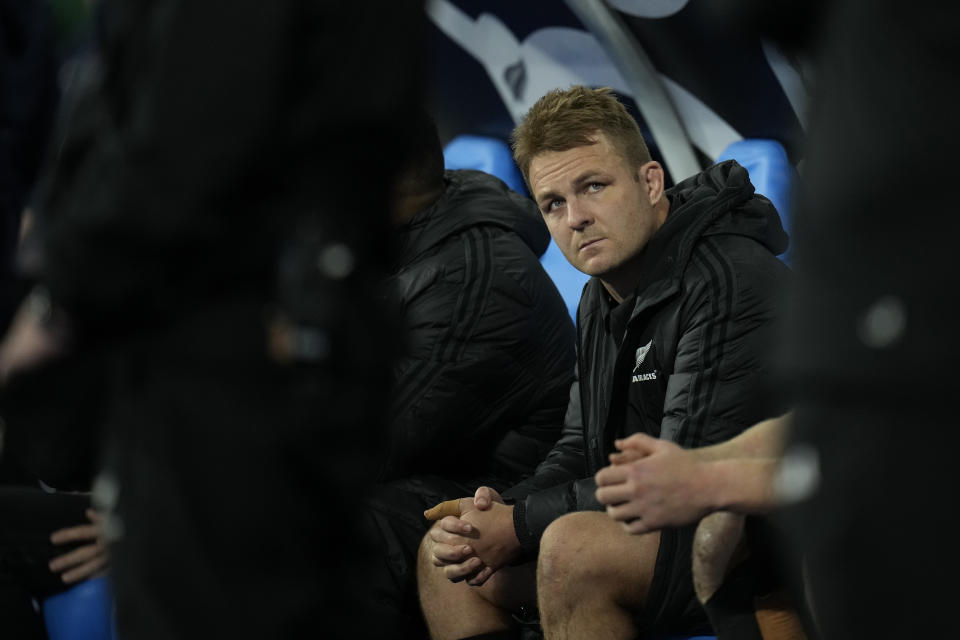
[(703, 320), (490, 350)]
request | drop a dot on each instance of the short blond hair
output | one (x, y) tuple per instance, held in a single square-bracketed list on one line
[(564, 119)]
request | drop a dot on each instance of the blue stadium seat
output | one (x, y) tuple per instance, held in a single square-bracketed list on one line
[(569, 281), (770, 172), (83, 612), (492, 155)]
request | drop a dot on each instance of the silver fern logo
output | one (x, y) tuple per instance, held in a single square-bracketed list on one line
[(642, 355)]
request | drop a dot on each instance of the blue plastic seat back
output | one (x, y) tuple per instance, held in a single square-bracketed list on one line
[(493, 156), (569, 280), (770, 172), (83, 612), (490, 155)]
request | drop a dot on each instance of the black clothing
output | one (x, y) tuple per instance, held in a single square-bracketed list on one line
[(672, 606), (873, 345), (482, 386), (174, 186), (28, 99), (53, 415), (693, 364), (202, 194), (238, 479), (876, 261), (28, 516), (489, 357), (731, 608)]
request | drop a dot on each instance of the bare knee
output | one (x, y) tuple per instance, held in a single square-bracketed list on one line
[(426, 543), (718, 538), (567, 548), (589, 552), (424, 557), (430, 578), (593, 572)]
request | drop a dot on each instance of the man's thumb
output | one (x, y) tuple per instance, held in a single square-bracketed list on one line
[(484, 497)]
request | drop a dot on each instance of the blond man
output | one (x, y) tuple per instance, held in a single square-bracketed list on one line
[(674, 335)]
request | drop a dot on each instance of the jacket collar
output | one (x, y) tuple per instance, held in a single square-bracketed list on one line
[(719, 200)]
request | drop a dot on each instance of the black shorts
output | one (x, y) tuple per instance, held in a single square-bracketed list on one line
[(672, 605), (29, 516)]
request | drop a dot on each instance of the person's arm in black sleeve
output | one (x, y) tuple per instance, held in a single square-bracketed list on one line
[(558, 486), (718, 389), (722, 381), (471, 373)]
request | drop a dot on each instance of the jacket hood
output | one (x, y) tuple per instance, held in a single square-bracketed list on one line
[(474, 198), (720, 200), (734, 207)]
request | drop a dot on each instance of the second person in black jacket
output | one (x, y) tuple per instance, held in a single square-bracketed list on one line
[(482, 382)]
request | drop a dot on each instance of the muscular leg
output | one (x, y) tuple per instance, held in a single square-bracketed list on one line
[(593, 577), (719, 536), (737, 605), (457, 610)]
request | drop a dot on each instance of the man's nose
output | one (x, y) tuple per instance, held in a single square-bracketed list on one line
[(578, 214)]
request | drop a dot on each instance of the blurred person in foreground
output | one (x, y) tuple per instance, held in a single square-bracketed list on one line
[(48, 418), (201, 230), (872, 346)]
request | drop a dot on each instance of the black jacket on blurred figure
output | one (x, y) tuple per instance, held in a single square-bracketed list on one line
[(228, 147), (482, 385), (28, 99)]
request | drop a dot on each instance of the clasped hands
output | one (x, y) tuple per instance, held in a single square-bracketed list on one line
[(477, 543), (651, 484)]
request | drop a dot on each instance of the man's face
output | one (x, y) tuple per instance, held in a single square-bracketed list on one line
[(598, 208)]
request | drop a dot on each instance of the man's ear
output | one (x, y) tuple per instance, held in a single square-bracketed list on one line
[(651, 175)]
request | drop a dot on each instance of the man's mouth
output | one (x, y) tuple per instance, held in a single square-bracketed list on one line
[(587, 243)]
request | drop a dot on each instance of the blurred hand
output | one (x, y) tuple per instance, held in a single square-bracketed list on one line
[(652, 484), (86, 561)]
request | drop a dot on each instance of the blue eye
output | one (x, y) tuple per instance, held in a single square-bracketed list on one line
[(555, 204), (594, 187)]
